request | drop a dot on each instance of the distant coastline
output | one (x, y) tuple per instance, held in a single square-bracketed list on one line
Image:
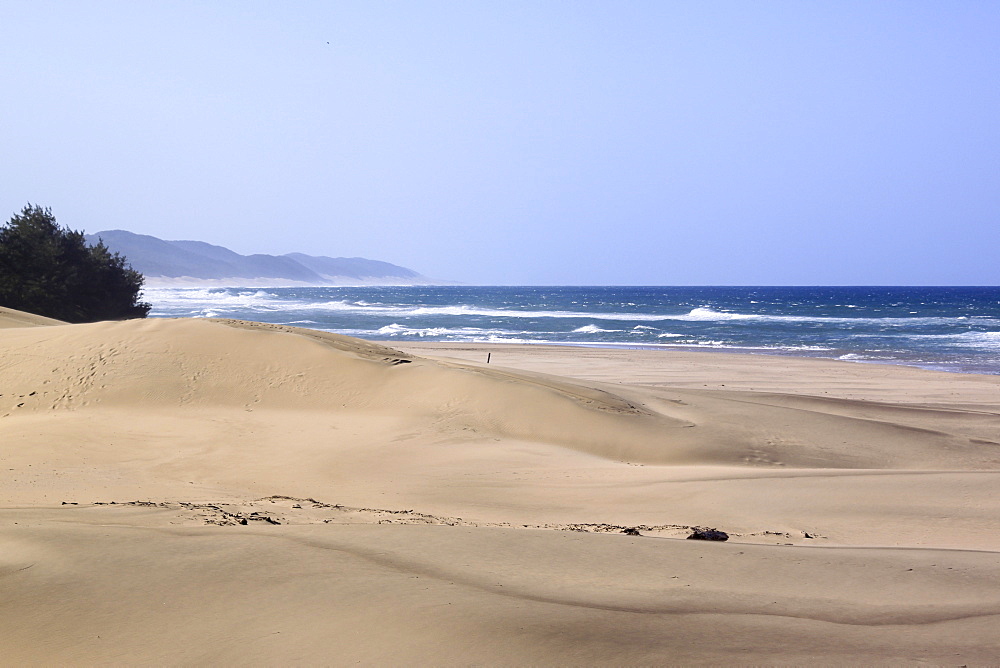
[(199, 264)]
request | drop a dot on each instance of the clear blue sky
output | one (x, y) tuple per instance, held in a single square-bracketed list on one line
[(652, 143)]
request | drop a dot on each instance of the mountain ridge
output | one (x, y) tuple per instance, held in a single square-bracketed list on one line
[(188, 262)]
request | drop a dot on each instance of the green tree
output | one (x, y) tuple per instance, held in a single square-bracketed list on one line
[(50, 270)]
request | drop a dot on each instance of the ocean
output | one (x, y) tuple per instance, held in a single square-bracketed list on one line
[(944, 328)]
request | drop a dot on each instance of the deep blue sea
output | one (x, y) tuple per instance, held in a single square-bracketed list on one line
[(946, 328)]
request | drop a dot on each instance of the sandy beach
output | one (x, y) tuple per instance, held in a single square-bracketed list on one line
[(196, 491)]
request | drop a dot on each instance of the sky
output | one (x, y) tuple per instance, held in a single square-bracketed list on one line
[(523, 143)]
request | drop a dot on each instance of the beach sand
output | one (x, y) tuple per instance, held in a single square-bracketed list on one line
[(191, 492)]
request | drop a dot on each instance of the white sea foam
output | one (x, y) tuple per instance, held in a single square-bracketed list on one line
[(450, 333), (594, 329), (170, 301), (981, 340), (990, 340), (714, 345), (703, 313), (725, 345), (865, 357), (166, 301)]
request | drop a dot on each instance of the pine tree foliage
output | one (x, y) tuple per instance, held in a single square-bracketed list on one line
[(50, 270)]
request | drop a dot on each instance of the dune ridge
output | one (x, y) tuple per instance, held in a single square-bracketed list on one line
[(10, 318), (204, 491)]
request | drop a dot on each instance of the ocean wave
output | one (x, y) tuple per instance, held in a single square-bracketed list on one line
[(594, 329), (172, 301), (167, 301), (982, 340), (469, 334), (204, 294), (728, 345), (865, 357), (397, 331), (985, 339), (709, 314)]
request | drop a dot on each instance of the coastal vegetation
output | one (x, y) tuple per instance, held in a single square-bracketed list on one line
[(51, 270)]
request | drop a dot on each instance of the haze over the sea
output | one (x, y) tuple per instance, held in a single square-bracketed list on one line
[(585, 143)]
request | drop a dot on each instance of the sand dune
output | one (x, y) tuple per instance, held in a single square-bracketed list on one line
[(12, 318), (206, 491)]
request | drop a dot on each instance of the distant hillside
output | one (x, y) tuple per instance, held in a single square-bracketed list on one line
[(196, 262)]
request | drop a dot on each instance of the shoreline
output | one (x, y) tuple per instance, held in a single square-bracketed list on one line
[(465, 350), (927, 328)]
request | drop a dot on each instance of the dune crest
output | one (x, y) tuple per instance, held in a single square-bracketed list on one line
[(10, 318)]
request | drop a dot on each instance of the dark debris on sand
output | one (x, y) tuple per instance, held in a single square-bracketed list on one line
[(698, 533)]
